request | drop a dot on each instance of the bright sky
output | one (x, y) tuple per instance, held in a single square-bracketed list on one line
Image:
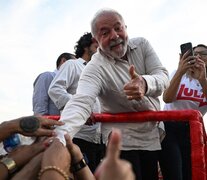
[(33, 33)]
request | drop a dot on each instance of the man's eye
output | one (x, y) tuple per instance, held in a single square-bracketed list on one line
[(118, 29), (104, 33)]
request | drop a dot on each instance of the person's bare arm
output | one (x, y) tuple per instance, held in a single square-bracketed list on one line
[(30, 170), (3, 172), (43, 128), (55, 159), (20, 156), (84, 172), (7, 128)]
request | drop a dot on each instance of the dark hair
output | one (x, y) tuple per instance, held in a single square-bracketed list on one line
[(83, 42), (64, 55), (200, 45)]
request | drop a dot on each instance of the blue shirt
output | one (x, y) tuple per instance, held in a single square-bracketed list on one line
[(42, 104)]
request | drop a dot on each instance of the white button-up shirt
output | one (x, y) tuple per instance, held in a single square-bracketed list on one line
[(105, 78), (63, 87)]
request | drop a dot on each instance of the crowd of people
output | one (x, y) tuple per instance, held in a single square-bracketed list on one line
[(48, 158), (109, 73)]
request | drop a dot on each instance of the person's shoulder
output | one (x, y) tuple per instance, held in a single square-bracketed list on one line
[(46, 74), (68, 64), (139, 43), (137, 40), (71, 62)]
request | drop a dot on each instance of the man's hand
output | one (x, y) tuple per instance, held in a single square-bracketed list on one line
[(75, 152), (137, 87), (112, 167), (57, 155), (91, 120), (45, 126), (23, 154)]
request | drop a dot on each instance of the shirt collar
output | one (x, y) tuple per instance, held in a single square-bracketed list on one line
[(82, 61), (131, 45)]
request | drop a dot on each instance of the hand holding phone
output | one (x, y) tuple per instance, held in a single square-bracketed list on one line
[(186, 47)]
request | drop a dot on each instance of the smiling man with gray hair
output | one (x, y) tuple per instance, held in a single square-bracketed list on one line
[(127, 76)]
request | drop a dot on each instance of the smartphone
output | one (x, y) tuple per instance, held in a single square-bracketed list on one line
[(185, 47)]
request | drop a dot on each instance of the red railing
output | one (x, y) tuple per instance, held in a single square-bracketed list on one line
[(197, 132)]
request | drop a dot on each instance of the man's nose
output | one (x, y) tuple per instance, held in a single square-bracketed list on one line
[(114, 34)]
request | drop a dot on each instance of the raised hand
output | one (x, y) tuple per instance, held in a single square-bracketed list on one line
[(136, 87), (186, 63), (112, 167), (83, 173)]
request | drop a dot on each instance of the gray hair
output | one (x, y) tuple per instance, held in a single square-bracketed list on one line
[(99, 14)]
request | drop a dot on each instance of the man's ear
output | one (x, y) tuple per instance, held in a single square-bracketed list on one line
[(86, 49), (63, 60)]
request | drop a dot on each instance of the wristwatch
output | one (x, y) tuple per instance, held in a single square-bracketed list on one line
[(29, 124), (9, 163), (78, 166)]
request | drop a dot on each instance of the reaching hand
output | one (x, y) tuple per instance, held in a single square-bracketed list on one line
[(57, 155), (76, 156), (137, 86), (74, 150), (112, 167), (29, 126), (30, 170), (91, 120), (23, 154), (44, 126)]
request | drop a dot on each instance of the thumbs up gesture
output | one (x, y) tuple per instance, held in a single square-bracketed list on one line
[(112, 167), (136, 87)]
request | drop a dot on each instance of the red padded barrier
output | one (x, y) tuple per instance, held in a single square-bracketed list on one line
[(197, 131), (52, 117)]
